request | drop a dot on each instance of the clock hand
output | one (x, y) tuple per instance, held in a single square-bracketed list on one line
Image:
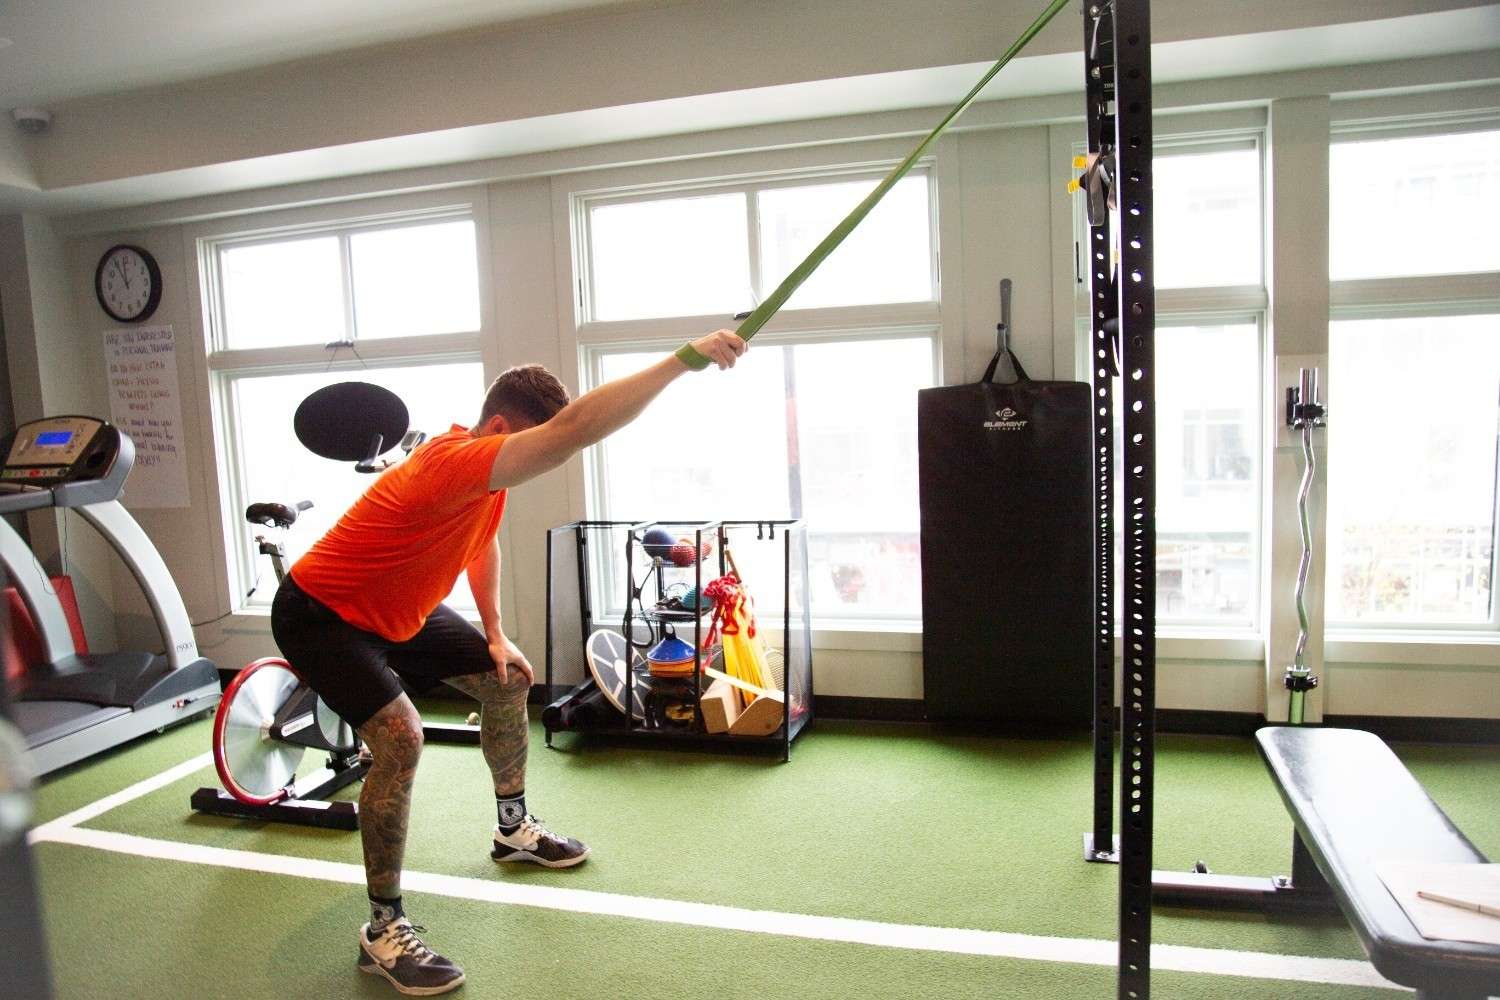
[(120, 270)]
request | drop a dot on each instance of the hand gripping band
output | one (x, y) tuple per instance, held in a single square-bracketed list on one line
[(692, 357)]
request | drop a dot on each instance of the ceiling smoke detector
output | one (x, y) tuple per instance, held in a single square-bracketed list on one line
[(32, 121)]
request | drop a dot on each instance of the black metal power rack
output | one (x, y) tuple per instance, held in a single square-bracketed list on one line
[(1122, 309), (580, 559)]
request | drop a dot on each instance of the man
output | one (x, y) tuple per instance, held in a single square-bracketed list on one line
[(362, 608)]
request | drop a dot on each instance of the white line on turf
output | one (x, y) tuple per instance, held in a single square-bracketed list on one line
[(124, 795), (1078, 951)]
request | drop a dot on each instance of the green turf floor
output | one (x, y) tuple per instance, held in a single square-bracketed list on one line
[(882, 823)]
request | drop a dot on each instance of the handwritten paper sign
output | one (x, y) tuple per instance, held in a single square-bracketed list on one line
[(144, 403)]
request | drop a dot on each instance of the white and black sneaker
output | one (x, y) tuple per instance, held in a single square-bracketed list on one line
[(409, 965), (533, 842)]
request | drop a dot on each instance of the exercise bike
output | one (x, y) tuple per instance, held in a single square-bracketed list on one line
[(268, 717)]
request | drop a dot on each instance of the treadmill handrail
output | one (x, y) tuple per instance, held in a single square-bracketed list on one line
[(16, 499), (136, 550), (41, 600)]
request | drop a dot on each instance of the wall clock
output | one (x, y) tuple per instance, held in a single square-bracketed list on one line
[(128, 283)]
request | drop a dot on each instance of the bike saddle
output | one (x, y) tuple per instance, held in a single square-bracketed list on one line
[(275, 515)]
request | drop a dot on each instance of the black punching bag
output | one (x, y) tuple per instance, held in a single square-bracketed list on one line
[(1007, 549)]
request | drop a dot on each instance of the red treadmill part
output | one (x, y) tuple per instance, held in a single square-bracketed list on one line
[(21, 645)]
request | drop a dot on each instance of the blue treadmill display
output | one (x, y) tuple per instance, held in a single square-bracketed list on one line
[(53, 439)]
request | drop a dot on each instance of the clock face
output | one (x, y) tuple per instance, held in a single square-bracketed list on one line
[(128, 283)]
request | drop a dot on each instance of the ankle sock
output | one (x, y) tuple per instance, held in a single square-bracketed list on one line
[(511, 810), (383, 912)]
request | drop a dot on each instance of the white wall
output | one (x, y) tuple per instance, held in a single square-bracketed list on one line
[(540, 72), (53, 369), (1008, 189), (186, 537)]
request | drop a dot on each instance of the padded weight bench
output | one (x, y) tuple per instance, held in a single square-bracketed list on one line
[(1353, 804)]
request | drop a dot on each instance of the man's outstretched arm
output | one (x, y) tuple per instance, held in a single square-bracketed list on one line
[(599, 413)]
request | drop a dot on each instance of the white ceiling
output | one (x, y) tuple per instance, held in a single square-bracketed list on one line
[(62, 49)]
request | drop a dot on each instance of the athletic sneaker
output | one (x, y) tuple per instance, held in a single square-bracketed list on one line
[(534, 842), (409, 965)]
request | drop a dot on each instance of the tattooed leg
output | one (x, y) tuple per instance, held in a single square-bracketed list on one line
[(502, 725), (394, 736)]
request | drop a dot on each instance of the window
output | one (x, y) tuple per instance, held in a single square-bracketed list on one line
[(273, 465), (1208, 474), (1414, 380), (669, 257), (720, 252), (888, 258), (1413, 205), (1207, 213), (825, 431), (1214, 450), (819, 419), (282, 293), (1413, 404), (401, 295), (365, 283), (1211, 302)]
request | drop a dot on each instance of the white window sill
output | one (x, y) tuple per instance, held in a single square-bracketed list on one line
[(1177, 643), (892, 637), (1242, 645), (1185, 643), (873, 636), (256, 617), (1463, 649)]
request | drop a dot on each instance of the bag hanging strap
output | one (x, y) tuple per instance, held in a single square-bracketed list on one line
[(1012, 372)]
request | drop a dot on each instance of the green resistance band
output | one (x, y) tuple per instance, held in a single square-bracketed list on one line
[(751, 326)]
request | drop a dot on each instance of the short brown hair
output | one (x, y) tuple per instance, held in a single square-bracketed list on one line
[(528, 393)]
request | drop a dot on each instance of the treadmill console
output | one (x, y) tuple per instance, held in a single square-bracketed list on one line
[(78, 460)]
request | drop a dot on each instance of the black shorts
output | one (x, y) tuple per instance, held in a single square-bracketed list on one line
[(354, 671)]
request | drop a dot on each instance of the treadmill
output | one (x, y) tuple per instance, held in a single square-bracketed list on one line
[(76, 704)]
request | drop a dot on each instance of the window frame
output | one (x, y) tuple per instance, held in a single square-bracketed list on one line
[(222, 366), (1439, 286), (1414, 296), (1230, 316), (596, 495), (751, 188), (1353, 629), (592, 339)]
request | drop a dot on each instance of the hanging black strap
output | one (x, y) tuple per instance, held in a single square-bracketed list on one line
[(1012, 371), (1012, 367)]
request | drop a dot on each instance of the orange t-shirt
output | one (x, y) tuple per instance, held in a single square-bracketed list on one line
[(397, 551)]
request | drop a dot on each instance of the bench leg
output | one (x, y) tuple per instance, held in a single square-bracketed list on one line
[(1305, 890), (1305, 875)]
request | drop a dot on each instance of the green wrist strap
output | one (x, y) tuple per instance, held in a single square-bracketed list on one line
[(690, 356), (763, 312)]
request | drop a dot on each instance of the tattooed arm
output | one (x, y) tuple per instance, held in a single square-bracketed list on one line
[(484, 581)]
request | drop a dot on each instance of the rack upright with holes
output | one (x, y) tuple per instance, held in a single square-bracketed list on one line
[(602, 578), (1122, 308)]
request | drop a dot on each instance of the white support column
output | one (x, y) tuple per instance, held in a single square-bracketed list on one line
[(1297, 191)]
